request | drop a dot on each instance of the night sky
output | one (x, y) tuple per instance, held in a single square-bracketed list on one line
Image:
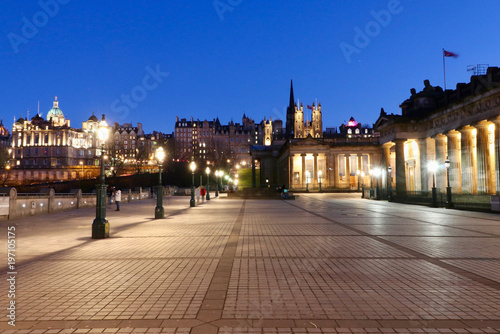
[(149, 61)]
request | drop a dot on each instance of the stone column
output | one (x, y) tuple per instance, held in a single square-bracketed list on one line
[(455, 161), (290, 171), (386, 162), (424, 173), (468, 159), (496, 121), (400, 166), (335, 170), (485, 160), (303, 176), (314, 180), (348, 170), (441, 151)]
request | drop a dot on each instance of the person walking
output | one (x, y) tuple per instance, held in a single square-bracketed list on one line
[(118, 198)]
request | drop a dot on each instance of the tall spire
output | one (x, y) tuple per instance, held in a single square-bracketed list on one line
[(290, 113), (292, 99)]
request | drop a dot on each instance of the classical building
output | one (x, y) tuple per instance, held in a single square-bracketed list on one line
[(462, 125), (45, 150), (312, 160)]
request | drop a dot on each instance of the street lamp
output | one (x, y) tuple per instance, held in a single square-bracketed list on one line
[(389, 179), (449, 203), (100, 226), (159, 212), (81, 164), (192, 166), (217, 183), (433, 166), (307, 181), (208, 183), (358, 173), (320, 173), (377, 172)]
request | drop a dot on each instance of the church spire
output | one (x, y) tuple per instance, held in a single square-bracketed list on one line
[(290, 114)]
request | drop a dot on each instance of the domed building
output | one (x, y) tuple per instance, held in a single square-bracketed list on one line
[(50, 149)]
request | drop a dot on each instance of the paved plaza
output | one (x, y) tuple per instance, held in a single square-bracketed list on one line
[(323, 263)]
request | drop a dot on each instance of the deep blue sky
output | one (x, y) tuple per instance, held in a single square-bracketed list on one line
[(90, 53)]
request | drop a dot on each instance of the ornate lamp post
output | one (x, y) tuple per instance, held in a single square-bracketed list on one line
[(217, 183), (433, 166), (389, 179), (159, 212), (320, 173), (100, 226), (307, 180), (377, 172), (208, 183), (192, 202), (449, 203)]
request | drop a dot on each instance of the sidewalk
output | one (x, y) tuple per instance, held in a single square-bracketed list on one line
[(324, 263)]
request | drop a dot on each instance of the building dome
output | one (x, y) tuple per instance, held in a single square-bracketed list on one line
[(93, 118), (55, 111)]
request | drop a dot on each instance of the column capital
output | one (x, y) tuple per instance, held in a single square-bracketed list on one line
[(400, 140), (482, 124), (452, 133), (466, 129), (388, 145)]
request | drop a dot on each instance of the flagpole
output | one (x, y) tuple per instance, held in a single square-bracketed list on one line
[(444, 70)]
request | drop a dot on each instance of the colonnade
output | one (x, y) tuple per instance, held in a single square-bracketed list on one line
[(473, 152)]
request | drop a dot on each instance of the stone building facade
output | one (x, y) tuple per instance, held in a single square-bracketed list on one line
[(462, 125)]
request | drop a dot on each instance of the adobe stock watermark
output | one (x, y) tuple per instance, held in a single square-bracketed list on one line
[(30, 28), (363, 37), (150, 82), (223, 6)]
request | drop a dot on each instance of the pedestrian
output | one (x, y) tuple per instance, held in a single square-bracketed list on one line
[(118, 198)]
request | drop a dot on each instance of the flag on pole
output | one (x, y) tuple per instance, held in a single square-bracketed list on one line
[(449, 54), (309, 107)]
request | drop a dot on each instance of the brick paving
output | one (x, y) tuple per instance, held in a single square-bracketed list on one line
[(324, 263)]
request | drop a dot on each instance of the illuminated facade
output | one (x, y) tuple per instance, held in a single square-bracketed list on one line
[(212, 141), (45, 150), (462, 125)]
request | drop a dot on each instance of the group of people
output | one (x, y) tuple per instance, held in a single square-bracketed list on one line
[(116, 194)]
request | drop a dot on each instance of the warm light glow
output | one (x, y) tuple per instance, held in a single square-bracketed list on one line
[(377, 172), (358, 172), (160, 154), (243, 163), (237, 166), (352, 123), (103, 130), (363, 174), (207, 170), (432, 166), (192, 166), (321, 172)]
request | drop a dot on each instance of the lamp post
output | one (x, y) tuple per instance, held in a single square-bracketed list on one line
[(433, 166), (389, 179), (449, 203), (192, 166), (307, 181), (377, 172), (208, 183), (159, 212), (216, 183), (320, 173), (363, 184), (358, 173), (100, 226)]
